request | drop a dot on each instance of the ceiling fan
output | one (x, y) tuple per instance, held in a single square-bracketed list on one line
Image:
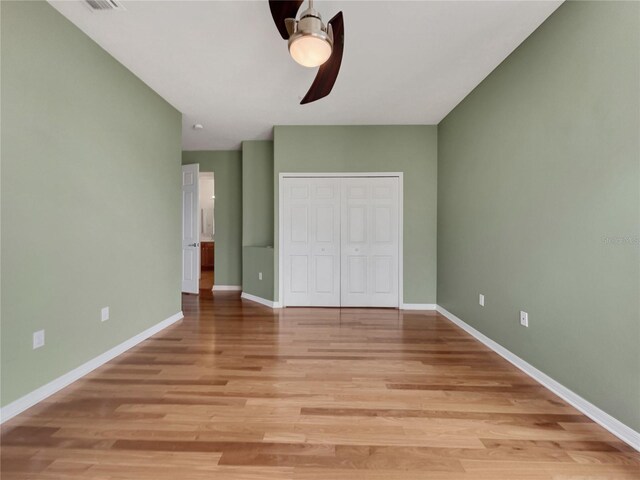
[(311, 43)]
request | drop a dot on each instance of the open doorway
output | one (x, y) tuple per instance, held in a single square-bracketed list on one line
[(207, 229)]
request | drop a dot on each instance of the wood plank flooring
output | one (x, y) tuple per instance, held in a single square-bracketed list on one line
[(206, 279), (239, 391)]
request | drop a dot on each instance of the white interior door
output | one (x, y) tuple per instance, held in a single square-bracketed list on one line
[(190, 229), (370, 242), (311, 219)]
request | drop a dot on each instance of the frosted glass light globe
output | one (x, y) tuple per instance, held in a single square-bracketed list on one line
[(310, 51)]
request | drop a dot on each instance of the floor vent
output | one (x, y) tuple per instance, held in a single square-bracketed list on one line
[(102, 5)]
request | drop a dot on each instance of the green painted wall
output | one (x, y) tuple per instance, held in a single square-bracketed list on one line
[(90, 196), (409, 149), (257, 193), (257, 218), (227, 169), (254, 261), (539, 203)]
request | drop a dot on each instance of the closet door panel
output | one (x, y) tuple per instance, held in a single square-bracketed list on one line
[(311, 241), (370, 242)]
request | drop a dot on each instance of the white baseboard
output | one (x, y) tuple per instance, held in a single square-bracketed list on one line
[(30, 399), (227, 288), (418, 306), (260, 300), (619, 429)]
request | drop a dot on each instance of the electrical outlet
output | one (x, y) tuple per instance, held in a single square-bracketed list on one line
[(481, 300), (524, 319), (38, 339), (104, 314), (259, 275)]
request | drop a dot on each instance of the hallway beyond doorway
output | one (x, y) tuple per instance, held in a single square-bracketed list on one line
[(207, 279)]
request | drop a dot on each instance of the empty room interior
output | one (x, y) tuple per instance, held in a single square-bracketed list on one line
[(329, 240)]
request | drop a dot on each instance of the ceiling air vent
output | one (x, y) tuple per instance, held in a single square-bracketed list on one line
[(102, 5)]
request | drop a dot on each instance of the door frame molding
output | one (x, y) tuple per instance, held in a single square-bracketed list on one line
[(283, 175)]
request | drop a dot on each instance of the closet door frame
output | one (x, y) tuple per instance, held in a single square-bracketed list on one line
[(282, 176)]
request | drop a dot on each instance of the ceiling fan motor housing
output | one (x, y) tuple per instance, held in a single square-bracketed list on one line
[(310, 24)]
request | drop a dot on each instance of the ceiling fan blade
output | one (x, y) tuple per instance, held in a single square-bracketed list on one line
[(328, 72), (281, 9)]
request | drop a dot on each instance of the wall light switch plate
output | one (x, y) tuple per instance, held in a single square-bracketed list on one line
[(481, 299), (524, 319), (38, 339), (104, 314), (260, 276)]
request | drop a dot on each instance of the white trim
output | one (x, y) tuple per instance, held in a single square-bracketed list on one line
[(227, 288), (30, 399), (280, 240), (616, 427), (418, 306), (398, 175), (400, 239), (260, 300), (338, 174)]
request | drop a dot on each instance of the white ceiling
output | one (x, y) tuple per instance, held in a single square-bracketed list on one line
[(224, 65)]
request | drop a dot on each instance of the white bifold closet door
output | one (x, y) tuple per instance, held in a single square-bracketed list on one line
[(341, 241), (312, 242), (369, 242)]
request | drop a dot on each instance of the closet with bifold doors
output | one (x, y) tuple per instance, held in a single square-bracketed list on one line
[(340, 241)]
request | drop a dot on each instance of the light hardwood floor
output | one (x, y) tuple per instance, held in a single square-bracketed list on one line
[(206, 279), (239, 391)]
